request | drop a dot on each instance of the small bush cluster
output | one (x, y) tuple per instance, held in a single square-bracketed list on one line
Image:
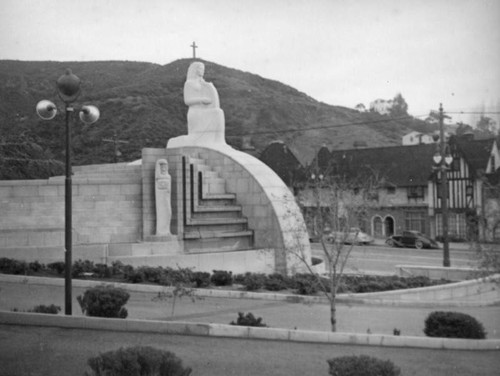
[(50, 309), (221, 278), (362, 365), (453, 325), (248, 320), (104, 301), (137, 361)]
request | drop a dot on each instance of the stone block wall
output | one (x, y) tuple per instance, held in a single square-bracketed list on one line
[(106, 203)]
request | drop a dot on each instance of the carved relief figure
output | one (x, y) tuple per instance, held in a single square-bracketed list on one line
[(163, 189)]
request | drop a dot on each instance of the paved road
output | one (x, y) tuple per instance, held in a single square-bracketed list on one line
[(377, 259), (39, 351)]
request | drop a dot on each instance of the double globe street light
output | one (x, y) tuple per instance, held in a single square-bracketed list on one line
[(68, 88)]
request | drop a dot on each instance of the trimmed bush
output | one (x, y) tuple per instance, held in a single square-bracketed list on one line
[(200, 279), (248, 320), (57, 267), (51, 309), (222, 278), (362, 365), (305, 284), (253, 281), (137, 361), (11, 266), (104, 301), (453, 325), (276, 282), (80, 267)]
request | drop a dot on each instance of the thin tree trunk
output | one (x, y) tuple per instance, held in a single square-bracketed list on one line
[(333, 313)]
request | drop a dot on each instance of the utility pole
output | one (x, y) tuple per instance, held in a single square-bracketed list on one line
[(115, 142), (444, 190)]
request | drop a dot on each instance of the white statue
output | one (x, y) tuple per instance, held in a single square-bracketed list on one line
[(163, 189), (206, 123)]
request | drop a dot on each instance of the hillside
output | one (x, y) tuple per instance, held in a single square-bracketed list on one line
[(143, 104)]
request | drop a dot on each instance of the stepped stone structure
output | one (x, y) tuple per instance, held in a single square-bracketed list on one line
[(229, 211)]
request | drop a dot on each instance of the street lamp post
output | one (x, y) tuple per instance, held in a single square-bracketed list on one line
[(68, 88), (443, 160)]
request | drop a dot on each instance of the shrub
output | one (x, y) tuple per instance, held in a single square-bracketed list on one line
[(200, 279), (362, 365), (175, 277), (118, 268), (52, 309), (57, 266), (35, 266), (222, 278), (80, 267), (248, 320), (104, 301), (137, 361), (305, 284), (102, 271), (11, 266), (453, 325), (133, 276), (276, 282), (253, 281)]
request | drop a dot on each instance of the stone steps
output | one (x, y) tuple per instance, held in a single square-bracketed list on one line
[(214, 221)]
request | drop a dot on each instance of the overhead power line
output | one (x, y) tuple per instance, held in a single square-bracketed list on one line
[(329, 126)]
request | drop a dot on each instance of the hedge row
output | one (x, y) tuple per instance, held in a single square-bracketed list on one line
[(304, 284)]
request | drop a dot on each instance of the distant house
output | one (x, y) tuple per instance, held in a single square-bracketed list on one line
[(408, 188), (381, 106), (417, 138)]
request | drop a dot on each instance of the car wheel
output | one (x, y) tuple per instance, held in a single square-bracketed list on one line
[(419, 244), (390, 242)]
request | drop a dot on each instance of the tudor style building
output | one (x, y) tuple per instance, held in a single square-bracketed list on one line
[(408, 188)]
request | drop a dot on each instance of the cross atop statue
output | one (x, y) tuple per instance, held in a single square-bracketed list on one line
[(194, 46)]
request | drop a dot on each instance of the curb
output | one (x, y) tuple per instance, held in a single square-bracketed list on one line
[(360, 299), (229, 331)]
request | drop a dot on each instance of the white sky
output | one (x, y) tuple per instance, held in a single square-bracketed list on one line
[(341, 52)]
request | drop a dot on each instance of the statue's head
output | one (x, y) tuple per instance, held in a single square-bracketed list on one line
[(195, 70), (161, 167)]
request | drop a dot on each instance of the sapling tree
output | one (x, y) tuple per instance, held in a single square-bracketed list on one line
[(345, 205), (177, 288)]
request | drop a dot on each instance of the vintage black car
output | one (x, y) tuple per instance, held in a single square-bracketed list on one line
[(411, 239)]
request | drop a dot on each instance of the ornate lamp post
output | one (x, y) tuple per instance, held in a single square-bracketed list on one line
[(442, 160), (68, 88)]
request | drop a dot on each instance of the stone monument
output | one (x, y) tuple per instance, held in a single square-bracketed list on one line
[(205, 119), (163, 189)]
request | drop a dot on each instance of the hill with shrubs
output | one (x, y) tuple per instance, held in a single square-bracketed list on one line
[(142, 103)]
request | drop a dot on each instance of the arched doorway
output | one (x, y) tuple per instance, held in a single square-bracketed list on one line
[(388, 226)]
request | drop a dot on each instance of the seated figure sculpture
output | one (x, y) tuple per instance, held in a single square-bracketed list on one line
[(206, 123)]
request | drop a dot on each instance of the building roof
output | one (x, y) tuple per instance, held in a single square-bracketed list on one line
[(395, 165), (476, 152)]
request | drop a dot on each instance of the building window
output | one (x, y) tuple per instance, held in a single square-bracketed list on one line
[(391, 190), (416, 192), (415, 221), (457, 226), (455, 165)]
